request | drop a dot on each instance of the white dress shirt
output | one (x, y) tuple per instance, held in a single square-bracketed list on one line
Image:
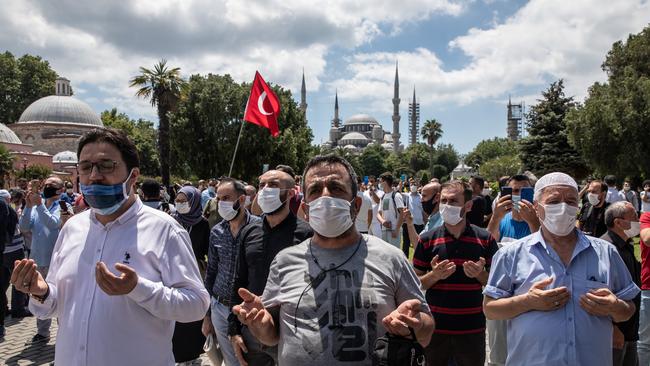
[(134, 329)]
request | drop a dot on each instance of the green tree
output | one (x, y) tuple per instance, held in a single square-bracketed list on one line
[(22, 82), (496, 168), (373, 160), (445, 156), (432, 132), (547, 149), (6, 164), (205, 127), (417, 156), (144, 136), (35, 171), (163, 86), (491, 149), (610, 130)]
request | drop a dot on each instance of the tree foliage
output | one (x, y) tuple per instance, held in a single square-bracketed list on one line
[(431, 131), (506, 165), (22, 82), (6, 163), (489, 149), (611, 129), (373, 160), (547, 149), (35, 171), (144, 136), (205, 126), (163, 86)]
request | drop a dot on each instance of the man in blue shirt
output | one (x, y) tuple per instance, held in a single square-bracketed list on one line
[(42, 217), (560, 289), (69, 196), (209, 193)]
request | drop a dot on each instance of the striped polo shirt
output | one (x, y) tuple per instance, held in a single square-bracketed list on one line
[(456, 302)]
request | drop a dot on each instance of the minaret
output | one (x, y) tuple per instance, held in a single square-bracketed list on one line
[(336, 122), (396, 116), (414, 120), (303, 96)]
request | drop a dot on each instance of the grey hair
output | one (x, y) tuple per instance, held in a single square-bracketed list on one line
[(615, 211)]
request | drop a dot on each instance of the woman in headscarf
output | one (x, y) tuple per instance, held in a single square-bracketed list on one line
[(187, 343)]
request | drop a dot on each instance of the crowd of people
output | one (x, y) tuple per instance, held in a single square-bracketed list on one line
[(316, 268)]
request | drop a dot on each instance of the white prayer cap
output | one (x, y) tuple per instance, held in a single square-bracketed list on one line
[(554, 179), (4, 193)]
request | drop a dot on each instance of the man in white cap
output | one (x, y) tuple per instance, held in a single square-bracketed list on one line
[(560, 289)]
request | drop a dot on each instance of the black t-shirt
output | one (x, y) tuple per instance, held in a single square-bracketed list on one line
[(592, 219), (477, 215)]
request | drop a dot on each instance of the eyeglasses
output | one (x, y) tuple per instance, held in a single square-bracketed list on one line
[(103, 167)]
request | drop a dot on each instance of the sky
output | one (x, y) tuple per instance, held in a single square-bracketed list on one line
[(464, 58)]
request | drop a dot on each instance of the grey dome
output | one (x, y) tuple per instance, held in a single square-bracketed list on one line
[(65, 157), (8, 136), (354, 136), (361, 119), (57, 108)]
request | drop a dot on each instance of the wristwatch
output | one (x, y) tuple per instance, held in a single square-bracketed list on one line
[(42, 299)]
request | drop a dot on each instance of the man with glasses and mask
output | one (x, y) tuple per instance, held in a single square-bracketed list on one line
[(452, 262), (123, 315), (622, 226), (222, 259), (327, 299), (259, 244), (42, 217), (559, 288)]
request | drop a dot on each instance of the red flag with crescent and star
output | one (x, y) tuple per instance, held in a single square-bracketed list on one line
[(263, 106)]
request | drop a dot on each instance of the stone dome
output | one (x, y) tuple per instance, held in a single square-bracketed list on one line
[(353, 136), (8, 136), (361, 119), (69, 157), (60, 108)]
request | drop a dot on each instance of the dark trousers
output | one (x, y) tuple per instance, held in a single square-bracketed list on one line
[(406, 241), (18, 299), (626, 356), (464, 349), (258, 354)]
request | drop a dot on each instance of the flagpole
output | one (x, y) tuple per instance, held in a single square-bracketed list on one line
[(241, 129)]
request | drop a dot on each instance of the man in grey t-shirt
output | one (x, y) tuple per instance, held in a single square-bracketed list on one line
[(328, 299)]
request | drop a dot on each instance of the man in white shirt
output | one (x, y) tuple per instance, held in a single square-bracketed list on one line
[(613, 194), (123, 315), (413, 201), (375, 195), (390, 211), (364, 218)]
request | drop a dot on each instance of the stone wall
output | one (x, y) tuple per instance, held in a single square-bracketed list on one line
[(51, 137)]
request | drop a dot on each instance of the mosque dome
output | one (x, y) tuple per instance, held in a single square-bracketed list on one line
[(358, 119), (66, 157), (8, 136), (56, 108)]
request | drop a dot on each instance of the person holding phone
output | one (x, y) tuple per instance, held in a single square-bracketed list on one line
[(42, 217)]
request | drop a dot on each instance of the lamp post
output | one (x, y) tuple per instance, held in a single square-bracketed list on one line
[(25, 168)]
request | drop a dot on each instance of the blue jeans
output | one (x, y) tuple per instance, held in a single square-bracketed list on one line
[(643, 345), (219, 316)]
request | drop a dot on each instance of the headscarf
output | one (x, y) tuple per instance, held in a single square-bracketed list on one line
[(194, 199)]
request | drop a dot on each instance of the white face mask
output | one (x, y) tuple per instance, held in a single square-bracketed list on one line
[(413, 189), (559, 218), (329, 216), (486, 191), (450, 214), (634, 230), (269, 199), (227, 210), (515, 201), (593, 199), (183, 207), (247, 203)]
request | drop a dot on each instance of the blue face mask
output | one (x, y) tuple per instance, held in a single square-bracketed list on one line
[(105, 199)]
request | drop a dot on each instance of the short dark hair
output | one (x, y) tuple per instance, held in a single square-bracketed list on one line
[(519, 178), (115, 137), (479, 180), (646, 183), (503, 181), (610, 180), (387, 177), (287, 169), (331, 159), (150, 188), (459, 184), (603, 186), (239, 187)]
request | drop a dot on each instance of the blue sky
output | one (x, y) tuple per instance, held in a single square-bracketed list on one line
[(465, 57)]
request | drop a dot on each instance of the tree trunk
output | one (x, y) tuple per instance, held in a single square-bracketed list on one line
[(163, 144)]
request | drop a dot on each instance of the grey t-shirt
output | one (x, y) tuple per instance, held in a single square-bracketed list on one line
[(340, 315)]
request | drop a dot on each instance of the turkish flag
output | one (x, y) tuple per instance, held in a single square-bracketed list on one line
[(263, 106)]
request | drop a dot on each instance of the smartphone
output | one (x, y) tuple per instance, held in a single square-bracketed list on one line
[(506, 191), (527, 193), (64, 206)]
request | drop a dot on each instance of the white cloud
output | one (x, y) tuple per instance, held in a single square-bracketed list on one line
[(102, 43), (543, 41)]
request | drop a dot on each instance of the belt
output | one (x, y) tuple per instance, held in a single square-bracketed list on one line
[(223, 301)]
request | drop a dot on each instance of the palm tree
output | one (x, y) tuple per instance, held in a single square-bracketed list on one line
[(163, 86), (432, 132)]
